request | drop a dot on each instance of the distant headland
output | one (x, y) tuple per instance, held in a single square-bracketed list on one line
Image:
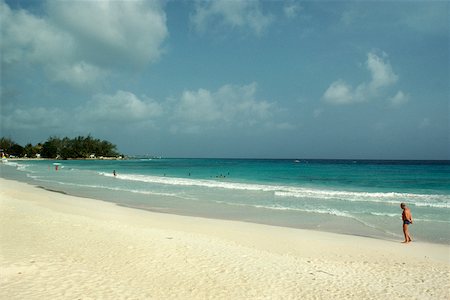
[(80, 147)]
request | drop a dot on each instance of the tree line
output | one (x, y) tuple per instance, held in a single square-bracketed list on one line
[(61, 148)]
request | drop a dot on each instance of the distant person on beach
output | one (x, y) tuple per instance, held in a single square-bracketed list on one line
[(114, 173), (407, 219)]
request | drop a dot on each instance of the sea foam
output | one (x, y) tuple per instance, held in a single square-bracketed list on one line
[(432, 200)]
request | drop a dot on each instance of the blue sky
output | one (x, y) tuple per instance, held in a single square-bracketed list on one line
[(265, 79)]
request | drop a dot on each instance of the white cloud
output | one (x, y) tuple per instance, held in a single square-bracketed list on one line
[(233, 107), (234, 14), (78, 42), (31, 118), (121, 107), (399, 99), (198, 106), (382, 76), (78, 74), (230, 105), (291, 9), (339, 92), (381, 71), (317, 112), (349, 16), (429, 18), (120, 30), (30, 38)]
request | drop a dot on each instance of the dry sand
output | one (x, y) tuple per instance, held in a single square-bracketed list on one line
[(55, 246)]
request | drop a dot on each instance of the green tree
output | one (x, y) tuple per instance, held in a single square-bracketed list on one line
[(29, 150), (6, 143), (65, 148), (9, 147), (16, 150), (51, 147)]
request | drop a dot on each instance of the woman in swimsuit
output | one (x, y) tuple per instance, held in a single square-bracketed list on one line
[(407, 219)]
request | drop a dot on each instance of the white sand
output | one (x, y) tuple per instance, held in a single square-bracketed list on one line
[(55, 246)]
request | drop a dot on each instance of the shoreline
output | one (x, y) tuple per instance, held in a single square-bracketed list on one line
[(206, 218), (162, 211), (238, 158), (61, 246), (237, 219), (60, 159), (259, 215)]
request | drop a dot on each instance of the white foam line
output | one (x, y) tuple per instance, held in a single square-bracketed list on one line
[(432, 221), (113, 188), (332, 212), (438, 201), (384, 214)]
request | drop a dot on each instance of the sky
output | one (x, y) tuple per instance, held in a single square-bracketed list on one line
[(231, 79)]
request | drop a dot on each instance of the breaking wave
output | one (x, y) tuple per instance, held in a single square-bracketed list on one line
[(282, 191)]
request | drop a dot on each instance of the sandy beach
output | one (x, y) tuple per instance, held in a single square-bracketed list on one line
[(56, 246)]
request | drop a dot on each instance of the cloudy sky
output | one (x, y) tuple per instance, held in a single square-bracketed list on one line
[(292, 79)]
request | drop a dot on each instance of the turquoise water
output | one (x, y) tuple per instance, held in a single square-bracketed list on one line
[(344, 196)]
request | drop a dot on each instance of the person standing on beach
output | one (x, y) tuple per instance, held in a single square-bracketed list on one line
[(407, 219)]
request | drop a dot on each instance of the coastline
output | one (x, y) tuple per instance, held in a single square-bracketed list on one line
[(61, 246), (58, 159)]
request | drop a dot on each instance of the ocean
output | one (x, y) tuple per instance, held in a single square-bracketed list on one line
[(357, 197)]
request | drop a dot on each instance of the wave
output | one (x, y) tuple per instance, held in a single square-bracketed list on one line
[(433, 201), (328, 211), (384, 215), (398, 216), (281, 191), (333, 212), (20, 167), (431, 220), (9, 163), (441, 201), (434, 205), (144, 192)]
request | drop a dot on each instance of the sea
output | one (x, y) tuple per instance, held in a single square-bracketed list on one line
[(355, 197)]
